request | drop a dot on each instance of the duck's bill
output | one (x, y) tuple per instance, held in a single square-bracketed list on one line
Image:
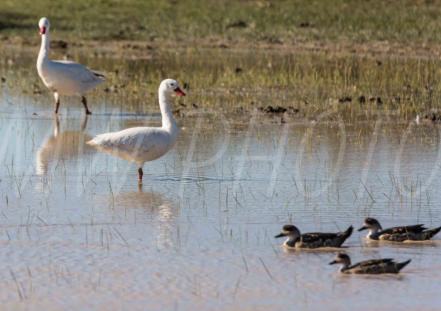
[(42, 30), (179, 91), (362, 228), (333, 262), (279, 235)]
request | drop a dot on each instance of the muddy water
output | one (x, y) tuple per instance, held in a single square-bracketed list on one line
[(77, 232)]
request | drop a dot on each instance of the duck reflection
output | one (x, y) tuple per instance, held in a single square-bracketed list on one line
[(159, 210), (62, 146)]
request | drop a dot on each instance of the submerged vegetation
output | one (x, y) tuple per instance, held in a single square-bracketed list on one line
[(303, 85)]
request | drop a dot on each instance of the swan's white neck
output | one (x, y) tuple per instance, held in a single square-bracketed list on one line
[(168, 122), (43, 55)]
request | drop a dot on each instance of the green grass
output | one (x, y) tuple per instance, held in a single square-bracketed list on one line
[(406, 22)]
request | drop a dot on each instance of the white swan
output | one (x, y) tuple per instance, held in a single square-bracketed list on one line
[(143, 144), (64, 77)]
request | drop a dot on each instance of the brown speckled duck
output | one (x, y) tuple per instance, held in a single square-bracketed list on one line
[(373, 266), (397, 234), (312, 240)]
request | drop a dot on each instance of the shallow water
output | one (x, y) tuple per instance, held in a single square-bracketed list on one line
[(77, 231)]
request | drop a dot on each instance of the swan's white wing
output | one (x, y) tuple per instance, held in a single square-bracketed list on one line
[(78, 72), (139, 144)]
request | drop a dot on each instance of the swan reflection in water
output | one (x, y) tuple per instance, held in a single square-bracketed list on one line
[(63, 146), (152, 208)]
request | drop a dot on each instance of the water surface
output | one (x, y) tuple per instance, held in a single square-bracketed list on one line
[(78, 232)]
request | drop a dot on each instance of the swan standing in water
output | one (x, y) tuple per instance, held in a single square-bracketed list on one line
[(143, 144), (64, 77)]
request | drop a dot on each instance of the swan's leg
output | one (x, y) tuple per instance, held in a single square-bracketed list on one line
[(57, 102), (84, 124), (140, 173), (84, 101), (57, 126)]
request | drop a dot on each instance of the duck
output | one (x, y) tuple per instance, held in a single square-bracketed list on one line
[(64, 77), (372, 266), (144, 144), (397, 234), (312, 240)]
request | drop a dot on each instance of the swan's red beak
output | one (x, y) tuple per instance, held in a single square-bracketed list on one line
[(42, 30), (178, 90)]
